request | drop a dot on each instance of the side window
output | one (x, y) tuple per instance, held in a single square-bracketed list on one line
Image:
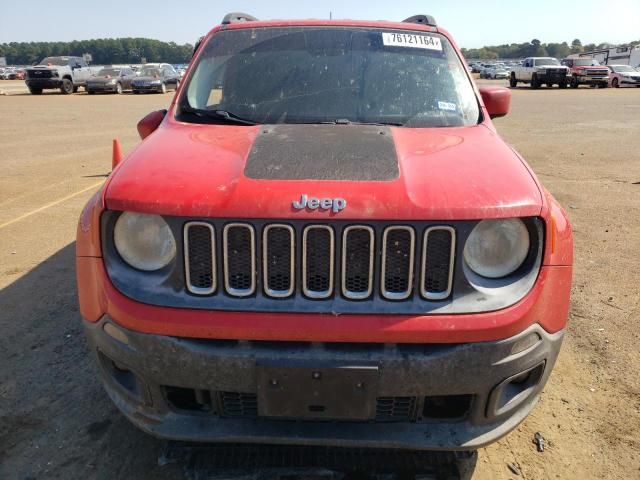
[(527, 63)]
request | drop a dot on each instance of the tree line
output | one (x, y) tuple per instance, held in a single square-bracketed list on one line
[(535, 48), (104, 51)]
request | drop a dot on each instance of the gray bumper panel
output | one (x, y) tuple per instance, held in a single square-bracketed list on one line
[(482, 370)]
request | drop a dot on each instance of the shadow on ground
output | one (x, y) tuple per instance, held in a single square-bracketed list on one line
[(55, 419)]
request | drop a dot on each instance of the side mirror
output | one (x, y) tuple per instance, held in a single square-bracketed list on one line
[(150, 123), (497, 100)]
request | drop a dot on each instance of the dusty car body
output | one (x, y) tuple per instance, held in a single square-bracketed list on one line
[(324, 241)]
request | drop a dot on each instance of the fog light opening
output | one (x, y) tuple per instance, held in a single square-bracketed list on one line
[(447, 407), (188, 399)]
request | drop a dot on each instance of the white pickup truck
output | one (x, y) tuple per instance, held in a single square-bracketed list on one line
[(538, 71), (65, 73)]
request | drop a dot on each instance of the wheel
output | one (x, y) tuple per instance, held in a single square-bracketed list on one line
[(119, 88), (615, 83), (604, 85), (513, 83), (574, 82), (163, 88), (75, 89), (91, 92), (67, 86), (562, 84), (535, 83), (35, 91)]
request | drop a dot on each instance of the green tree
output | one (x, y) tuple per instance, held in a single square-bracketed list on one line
[(576, 46)]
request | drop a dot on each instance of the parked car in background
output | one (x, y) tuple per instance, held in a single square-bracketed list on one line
[(113, 80), (620, 75), (156, 77), (499, 72), (65, 73), (587, 71), (538, 71)]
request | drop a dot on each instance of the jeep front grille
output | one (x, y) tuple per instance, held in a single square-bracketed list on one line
[(319, 262), (200, 262), (239, 259)]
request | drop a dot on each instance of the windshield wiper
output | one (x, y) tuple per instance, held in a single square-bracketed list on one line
[(217, 114), (345, 121)]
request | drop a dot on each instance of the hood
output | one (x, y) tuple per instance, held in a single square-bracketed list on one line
[(258, 171), (100, 79), (593, 67), (43, 67), (146, 78)]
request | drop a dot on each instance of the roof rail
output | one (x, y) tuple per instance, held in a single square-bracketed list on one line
[(422, 19), (237, 17)]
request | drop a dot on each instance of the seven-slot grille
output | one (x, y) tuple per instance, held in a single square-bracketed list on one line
[(396, 264)]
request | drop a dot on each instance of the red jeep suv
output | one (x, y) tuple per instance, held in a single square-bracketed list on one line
[(324, 241)]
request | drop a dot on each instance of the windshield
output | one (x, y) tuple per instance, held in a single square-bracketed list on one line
[(150, 72), (623, 69), (112, 72), (587, 62), (59, 61), (326, 74), (546, 61)]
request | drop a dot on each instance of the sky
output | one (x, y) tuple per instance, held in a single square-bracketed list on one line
[(473, 23)]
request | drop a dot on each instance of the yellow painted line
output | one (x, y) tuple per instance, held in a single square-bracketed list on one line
[(49, 205)]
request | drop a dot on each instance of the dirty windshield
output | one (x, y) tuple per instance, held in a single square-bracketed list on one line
[(330, 74)]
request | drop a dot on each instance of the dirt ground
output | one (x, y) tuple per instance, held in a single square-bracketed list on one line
[(55, 419)]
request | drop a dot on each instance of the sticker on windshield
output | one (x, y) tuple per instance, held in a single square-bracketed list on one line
[(410, 40), (451, 107)]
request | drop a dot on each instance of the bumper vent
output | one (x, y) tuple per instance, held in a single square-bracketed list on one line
[(238, 405), (396, 409), (354, 262)]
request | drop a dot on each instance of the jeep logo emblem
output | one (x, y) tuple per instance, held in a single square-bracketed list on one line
[(334, 204)]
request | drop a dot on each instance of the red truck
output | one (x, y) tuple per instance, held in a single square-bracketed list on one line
[(324, 241), (587, 71)]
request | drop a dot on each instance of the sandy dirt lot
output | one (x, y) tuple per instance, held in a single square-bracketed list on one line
[(55, 419)]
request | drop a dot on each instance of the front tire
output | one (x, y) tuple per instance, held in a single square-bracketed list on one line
[(604, 85), (513, 83), (562, 84), (163, 88), (535, 83), (35, 91), (67, 86), (118, 88), (615, 83), (91, 92), (574, 82)]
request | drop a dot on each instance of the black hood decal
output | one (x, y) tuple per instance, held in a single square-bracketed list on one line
[(323, 152)]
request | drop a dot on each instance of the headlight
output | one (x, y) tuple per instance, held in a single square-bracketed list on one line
[(144, 241), (496, 248), (112, 81)]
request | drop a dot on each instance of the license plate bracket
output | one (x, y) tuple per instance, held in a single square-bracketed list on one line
[(336, 392)]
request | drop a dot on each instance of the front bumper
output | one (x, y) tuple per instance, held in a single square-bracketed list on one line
[(44, 83), (545, 77), (461, 396), (146, 88), (592, 80), (101, 87)]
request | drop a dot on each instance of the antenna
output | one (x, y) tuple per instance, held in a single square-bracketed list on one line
[(330, 15)]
